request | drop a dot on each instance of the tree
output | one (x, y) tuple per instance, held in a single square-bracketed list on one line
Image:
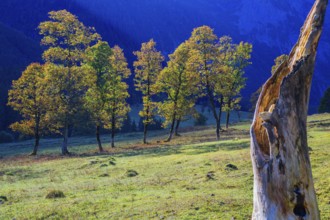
[(278, 61), (233, 59), (180, 86), (27, 96), (283, 182), (147, 67), (98, 57), (325, 102), (204, 61), (68, 79), (116, 106)]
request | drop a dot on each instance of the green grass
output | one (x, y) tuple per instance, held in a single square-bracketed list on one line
[(172, 180)]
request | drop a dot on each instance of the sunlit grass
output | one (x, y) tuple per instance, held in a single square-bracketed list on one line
[(172, 180)]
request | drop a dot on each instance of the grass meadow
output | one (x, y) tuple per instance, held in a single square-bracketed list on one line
[(188, 178)]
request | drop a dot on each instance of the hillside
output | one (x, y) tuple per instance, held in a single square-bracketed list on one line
[(16, 52), (188, 179)]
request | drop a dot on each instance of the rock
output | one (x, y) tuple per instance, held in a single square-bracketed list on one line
[(131, 173), (104, 165), (112, 163), (231, 167), (210, 175), (104, 175), (3, 199)]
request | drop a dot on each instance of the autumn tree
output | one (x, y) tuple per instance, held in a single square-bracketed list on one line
[(204, 61), (233, 59), (147, 67), (27, 96), (278, 61), (98, 57), (66, 39), (116, 105), (180, 86)]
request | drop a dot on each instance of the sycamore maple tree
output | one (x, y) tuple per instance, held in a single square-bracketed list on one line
[(147, 67), (27, 96), (66, 39), (180, 86)]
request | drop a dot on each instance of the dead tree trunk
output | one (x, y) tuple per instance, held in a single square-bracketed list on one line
[(283, 182)]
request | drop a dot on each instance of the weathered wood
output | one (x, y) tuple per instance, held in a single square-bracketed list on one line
[(283, 182)]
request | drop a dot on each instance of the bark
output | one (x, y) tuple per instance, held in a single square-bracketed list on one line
[(171, 129), (65, 140), (98, 138), (177, 127), (283, 182), (145, 130), (36, 137), (36, 145), (227, 119), (113, 129)]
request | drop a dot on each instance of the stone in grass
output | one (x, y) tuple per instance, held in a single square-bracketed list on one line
[(104, 175), (131, 173), (104, 165), (53, 194), (112, 163), (3, 199), (210, 175), (231, 167)]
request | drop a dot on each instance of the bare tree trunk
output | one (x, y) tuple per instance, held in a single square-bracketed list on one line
[(283, 182), (227, 119), (98, 138), (171, 129), (145, 130), (36, 137), (65, 140), (113, 138), (36, 145), (177, 127)]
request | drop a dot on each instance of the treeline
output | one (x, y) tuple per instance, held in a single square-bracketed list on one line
[(82, 75)]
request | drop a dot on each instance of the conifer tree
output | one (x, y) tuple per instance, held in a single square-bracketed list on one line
[(147, 68), (68, 79)]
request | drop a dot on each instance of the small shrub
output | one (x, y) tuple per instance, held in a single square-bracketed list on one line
[(6, 137), (55, 194), (210, 175), (131, 173)]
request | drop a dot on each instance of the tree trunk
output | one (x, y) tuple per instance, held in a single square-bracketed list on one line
[(98, 138), (283, 182), (171, 129), (177, 127), (238, 115), (113, 129), (65, 140), (36, 137), (36, 145), (113, 138), (227, 119), (145, 130)]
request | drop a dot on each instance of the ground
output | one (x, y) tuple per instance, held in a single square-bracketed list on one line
[(185, 179)]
